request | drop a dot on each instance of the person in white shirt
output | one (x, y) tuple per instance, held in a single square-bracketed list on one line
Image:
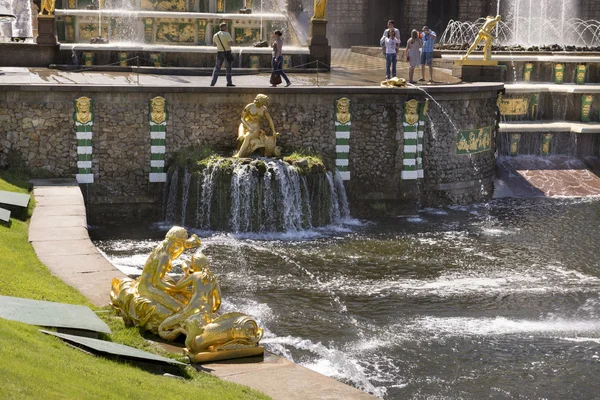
[(223, 41), (391, 43), (390, 26)]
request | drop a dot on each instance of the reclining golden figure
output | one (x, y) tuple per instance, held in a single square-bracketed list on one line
[(156, 303)]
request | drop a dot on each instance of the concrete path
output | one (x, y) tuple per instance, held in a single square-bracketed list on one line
[(347, 69), (58, 233), (282, 379)]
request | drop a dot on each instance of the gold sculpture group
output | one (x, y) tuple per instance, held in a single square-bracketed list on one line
[(250, 135), (189, 306)]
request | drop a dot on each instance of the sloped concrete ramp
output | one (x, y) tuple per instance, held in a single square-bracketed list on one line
[(551, 176)]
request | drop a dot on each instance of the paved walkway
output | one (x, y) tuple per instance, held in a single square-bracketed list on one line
[(347, 69), (58, 233)]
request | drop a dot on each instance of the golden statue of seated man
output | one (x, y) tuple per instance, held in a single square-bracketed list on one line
[(250, 135), (156, 303)]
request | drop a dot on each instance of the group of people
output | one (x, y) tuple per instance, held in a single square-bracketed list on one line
[(419, 51), (223, 40)]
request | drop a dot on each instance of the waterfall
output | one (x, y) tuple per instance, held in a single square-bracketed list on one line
[(187, 178), (342, 198), (172, 198), (259, 196), (204, 200)]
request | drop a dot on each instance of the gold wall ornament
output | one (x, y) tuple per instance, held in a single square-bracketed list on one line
[(48, 6), (411, 113), (425, 107), (527, 72), (83, 110), (474, 141), (342, 107), (514, 144), (485, 35), (158, 110), (546, 143), (320, 9), (514, 106), (250, 136), (72, 3), (586, 107), (156, 303)]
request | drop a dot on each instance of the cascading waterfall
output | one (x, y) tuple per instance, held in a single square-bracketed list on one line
[(172, 197), (187, 178), (239, 197)]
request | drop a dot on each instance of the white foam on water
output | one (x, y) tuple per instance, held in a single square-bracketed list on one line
[(463, 326), (331, 362), (435, 211), (581, 339)]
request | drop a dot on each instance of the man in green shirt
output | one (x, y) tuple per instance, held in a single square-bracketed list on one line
[(223, 41)]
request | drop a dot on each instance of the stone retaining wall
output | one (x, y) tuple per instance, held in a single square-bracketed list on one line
[(38, 128)]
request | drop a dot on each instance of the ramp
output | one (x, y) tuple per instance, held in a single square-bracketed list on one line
[(551, 176)]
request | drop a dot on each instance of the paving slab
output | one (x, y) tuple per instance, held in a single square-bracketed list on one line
[(4, 215), (115, 349), (51, 314), (58, 210), (14, 199), (57, 234), (59, 221)]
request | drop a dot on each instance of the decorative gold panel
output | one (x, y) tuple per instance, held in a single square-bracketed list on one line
[(163, 5), (175, 32), (513, 106), (89, 31), (474, 141)]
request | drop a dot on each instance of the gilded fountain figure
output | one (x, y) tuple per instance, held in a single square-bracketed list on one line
[(485, 35), (156, 303), (250, 135)]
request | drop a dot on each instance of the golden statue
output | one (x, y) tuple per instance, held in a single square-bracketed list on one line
[(157, 303), (320, 9), (485, 34), (250, 136), (83, 110), (411, 114), (394, 82), (342, 107), (158, 113), (48, 6)]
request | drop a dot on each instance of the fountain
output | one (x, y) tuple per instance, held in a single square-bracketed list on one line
[(530, 24), (260, 194), (168, 32), (19, 27)]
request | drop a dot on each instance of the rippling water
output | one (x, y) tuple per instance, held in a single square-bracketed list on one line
[(497, 300)]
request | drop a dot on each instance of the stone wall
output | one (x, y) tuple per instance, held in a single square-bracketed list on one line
[(38, 127), (471, 10), (590, 9), (348, 22)]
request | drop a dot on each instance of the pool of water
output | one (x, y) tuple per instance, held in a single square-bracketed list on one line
[(495, 300)]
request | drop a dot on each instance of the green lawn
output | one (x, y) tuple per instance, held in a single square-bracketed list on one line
[(36, 366)]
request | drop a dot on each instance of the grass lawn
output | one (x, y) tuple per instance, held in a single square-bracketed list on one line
[(37, 366)]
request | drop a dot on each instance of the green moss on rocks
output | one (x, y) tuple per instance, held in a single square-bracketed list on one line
[(306, 163)]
